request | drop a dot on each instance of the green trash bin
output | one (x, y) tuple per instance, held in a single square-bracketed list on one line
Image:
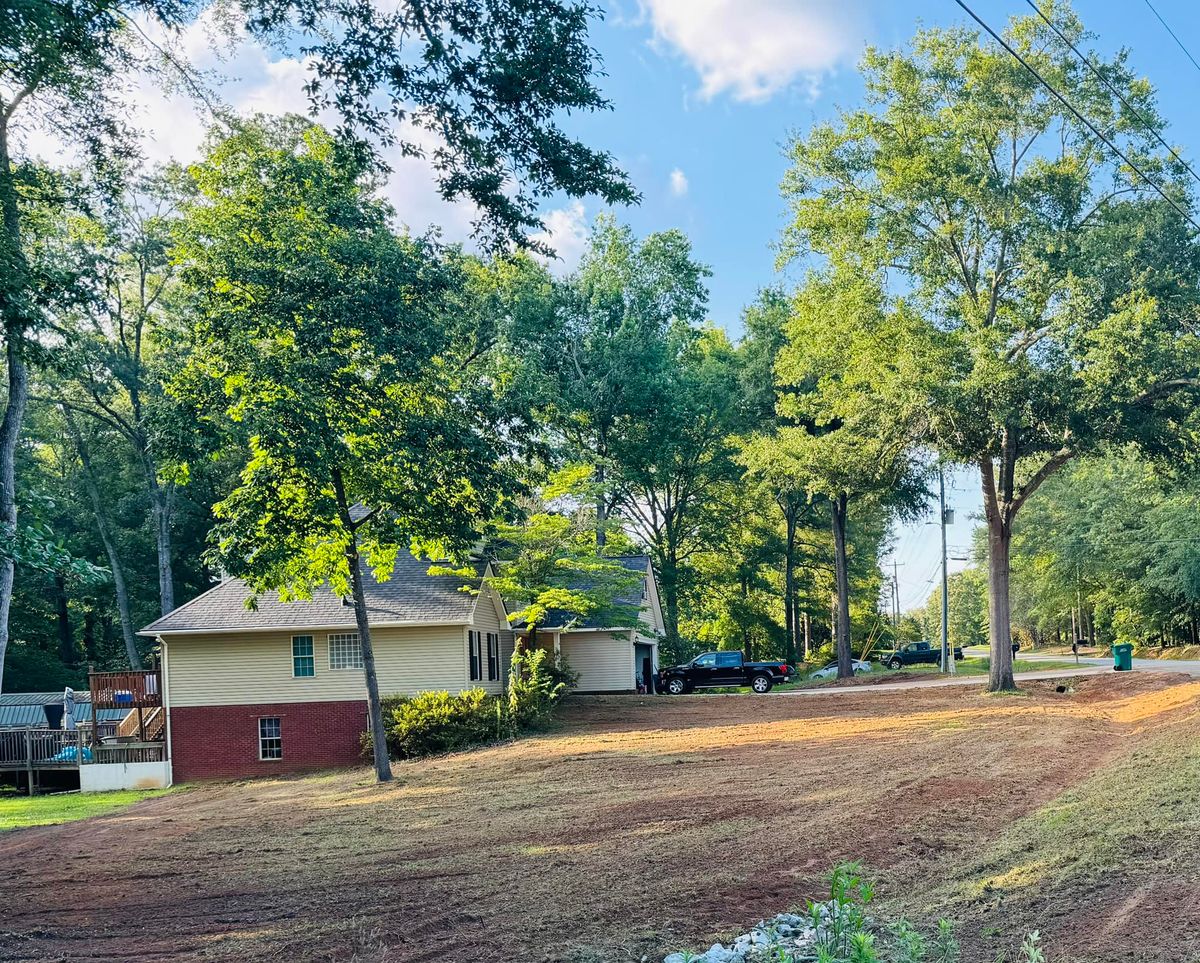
[(1122, 657)]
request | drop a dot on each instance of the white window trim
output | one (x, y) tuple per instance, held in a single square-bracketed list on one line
[(475, 638), (493, 638), (344, 638), (312, 642), (261, 738)]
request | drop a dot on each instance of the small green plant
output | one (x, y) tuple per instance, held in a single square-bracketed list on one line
[(535, 685), (945, 943), (1031, 949)]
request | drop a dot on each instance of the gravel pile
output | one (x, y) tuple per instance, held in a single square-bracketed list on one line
[(792, 933)]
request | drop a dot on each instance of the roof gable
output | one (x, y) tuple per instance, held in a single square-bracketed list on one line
[(641, 595)]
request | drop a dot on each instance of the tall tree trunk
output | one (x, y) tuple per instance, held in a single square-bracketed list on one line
[(789, 583), (807, 636), (842, 580), (670, 600), (14, 314), (89, 632), (106, 537), (1000, 675), (747, 644), (62, 612), (601, 512), (162, 501), (383, 765)]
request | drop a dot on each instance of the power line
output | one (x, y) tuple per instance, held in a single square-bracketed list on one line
[(1090, 126), (1167, 26), (1112, 88)]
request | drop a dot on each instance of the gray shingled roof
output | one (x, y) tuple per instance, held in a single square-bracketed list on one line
[(410, 595), (632, 599)]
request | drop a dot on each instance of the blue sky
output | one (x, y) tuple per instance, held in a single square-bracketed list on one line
[(705, 95)]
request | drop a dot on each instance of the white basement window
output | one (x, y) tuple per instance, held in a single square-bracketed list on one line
[(344, 651), (270, 738)]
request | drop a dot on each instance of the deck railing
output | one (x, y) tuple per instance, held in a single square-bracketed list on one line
[(130, 752), (31, 748), (141, 689)]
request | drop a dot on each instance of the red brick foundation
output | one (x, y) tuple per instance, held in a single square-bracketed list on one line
[(221, 742)]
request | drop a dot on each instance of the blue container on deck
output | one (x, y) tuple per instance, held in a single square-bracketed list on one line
[(1122, 657)]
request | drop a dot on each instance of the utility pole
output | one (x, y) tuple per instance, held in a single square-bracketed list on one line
[(895, 594), (947, 654)]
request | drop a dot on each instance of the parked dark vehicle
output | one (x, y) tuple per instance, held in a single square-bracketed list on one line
[(712, 669), (917, 653)]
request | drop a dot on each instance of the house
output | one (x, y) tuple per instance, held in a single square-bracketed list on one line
[(607, 659), (279, 687)]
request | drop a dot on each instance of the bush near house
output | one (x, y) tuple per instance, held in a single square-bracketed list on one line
[(434, 722)]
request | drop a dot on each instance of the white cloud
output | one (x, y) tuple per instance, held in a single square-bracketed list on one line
[(752, 49), (679, 183), (567, 232)]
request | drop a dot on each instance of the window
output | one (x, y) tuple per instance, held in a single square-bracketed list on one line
[(303, 663), (706, 661), (476, 661), (270, 738), (729, 660), (493, 642), (344, 651)]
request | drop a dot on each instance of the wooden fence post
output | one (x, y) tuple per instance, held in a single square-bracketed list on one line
[(29, 758)]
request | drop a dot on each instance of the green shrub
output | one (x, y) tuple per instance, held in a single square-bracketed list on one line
[(433, 722), (535, 685)]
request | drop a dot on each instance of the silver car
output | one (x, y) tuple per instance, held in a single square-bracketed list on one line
[(830, 671)]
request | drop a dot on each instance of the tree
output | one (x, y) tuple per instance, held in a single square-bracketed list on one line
[(121, 348), (765, 324), (1013, 231), (673, 461), (854, 422), (547, 564), (772, 464), (626, 314), (487, 78), (329, 335), (1111, 544)]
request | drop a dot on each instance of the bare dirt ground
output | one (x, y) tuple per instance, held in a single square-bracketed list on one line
[(645, 825)]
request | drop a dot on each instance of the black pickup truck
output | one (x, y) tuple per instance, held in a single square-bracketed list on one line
[(915, 653), (713, 669)]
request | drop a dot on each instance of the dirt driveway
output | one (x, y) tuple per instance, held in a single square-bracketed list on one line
[(642, 825)]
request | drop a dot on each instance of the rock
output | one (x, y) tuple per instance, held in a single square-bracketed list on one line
[(675, 958)]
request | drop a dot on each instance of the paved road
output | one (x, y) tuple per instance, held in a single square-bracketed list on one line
[(1190, 667), (939, 681)]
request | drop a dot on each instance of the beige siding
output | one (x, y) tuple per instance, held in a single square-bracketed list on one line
[(487, 619), (234, 669), (603, 660)]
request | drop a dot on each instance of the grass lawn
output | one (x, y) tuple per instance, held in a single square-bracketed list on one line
[(968, 666), (18, 810), (645, 825)]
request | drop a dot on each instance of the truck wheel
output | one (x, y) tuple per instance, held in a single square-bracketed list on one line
[(761, 684), (895, 664), (676, 686)]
